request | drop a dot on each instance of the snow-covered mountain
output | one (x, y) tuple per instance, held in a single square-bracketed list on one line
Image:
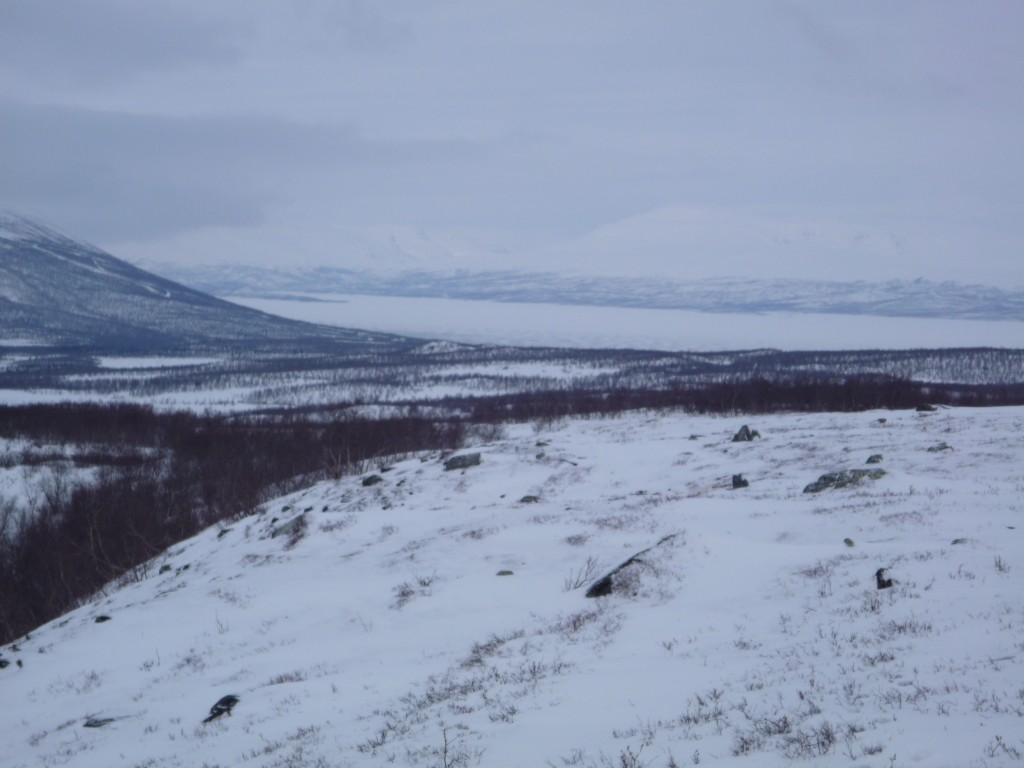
[(418, 616), (891, 298), (57, 291), (675, 257)]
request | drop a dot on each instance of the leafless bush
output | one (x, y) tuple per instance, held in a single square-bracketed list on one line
[(1001, 565), (482, 651), (582, 576), (569, 625), (295, 676), (747, 742), (406, 591), (911, 627), (805, 744), (999, 748), (403, 594)]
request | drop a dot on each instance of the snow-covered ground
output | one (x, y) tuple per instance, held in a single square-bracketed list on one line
[(134, 363), (561, 325), (31, 471), (440, 608)]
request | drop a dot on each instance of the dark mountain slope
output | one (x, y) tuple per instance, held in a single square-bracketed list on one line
[(56, 291)]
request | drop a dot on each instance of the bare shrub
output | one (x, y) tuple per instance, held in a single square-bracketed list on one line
[(999, 748), (295, 676), (568, 626), (582, 576), (814, 742)]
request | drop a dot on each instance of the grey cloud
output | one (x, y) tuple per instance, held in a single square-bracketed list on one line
[(70, 42), (123, 176), (551, 119)]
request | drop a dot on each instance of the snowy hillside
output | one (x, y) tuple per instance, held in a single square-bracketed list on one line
[(418, 616), (56, 291)]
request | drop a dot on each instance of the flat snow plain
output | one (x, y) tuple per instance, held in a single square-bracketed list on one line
[(670, 330), (380, 631)]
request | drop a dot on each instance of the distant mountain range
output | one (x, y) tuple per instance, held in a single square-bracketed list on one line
[(58, 292), (893, 298)]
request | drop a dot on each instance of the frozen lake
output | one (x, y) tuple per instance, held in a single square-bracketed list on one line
[(560, 325)]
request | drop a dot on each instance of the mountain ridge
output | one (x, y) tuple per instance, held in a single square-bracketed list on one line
[(893, 298), (57, 291)]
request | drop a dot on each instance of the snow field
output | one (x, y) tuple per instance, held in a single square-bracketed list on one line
[(382, 632)]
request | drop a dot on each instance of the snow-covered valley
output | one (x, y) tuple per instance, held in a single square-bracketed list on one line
[(417, 616)]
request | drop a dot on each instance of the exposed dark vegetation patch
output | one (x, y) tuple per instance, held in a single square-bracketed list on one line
[(799, 394)]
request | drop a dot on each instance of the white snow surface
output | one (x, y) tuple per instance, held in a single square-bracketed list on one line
[(152, 362), (386, 629), (560, 325)]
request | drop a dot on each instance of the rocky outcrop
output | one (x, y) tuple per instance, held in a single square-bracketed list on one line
[(745, 435), (739, 481), (843, 479), (624, 579), (880, 581), (462, 461)]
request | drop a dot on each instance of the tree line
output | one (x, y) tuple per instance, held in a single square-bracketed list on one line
[(73, 539)]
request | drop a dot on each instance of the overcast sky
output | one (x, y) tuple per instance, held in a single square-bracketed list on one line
[(848, 139)]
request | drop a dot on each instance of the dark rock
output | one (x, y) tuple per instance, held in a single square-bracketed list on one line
[(882, 421), (372, 480), (875, 458), (293, 527), (463, 461), (926, 408), (4, 663), (739, 481), (165, 568), (745, 435), (98, 722), (848, 542), (958, 541), (880, 581), (223, 707), (843, 479), (529, 500), (504, 573), (102, 618), (223, 532), (624, 578), (940, 447)]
